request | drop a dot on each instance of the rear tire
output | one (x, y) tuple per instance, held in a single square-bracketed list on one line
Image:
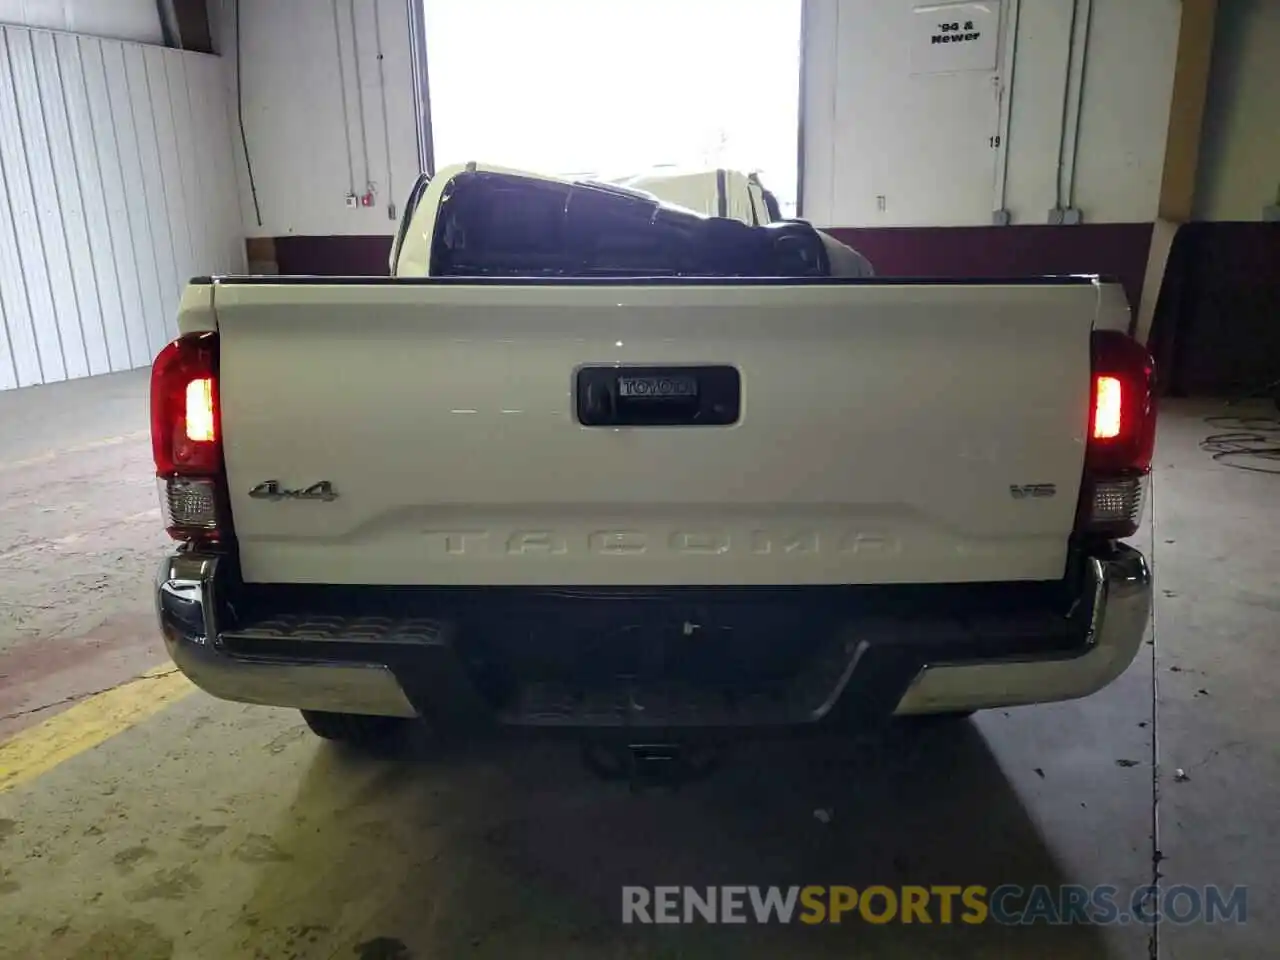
[(357, 729)]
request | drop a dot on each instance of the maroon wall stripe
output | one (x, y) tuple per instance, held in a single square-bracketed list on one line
[(1217, 325), (334, 256), (1112, 249)]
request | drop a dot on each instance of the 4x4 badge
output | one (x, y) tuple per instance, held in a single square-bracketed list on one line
[(271, 490), (1023, 491)]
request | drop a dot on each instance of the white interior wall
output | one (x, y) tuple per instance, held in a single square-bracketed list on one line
[(1125, 118), (304, 103), (895, 146), (118, 19), (1240, 150), (874, 129), (115, 168)]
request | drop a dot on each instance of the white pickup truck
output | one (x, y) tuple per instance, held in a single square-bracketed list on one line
[(595, 463)]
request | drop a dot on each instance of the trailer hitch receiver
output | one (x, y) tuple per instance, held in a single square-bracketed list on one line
[(651, 764)]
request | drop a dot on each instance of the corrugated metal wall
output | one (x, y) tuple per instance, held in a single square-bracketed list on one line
[(116, 185)]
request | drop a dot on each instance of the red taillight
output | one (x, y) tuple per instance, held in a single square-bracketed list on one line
[(186, 436), (1121, 437)]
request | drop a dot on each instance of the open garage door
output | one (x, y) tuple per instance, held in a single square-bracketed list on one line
[(577, 87)]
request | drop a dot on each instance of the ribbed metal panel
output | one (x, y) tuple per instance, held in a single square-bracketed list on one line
[(117, 184)]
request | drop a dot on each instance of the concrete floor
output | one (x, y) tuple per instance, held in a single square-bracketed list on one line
[(213, 830), (79, 540)]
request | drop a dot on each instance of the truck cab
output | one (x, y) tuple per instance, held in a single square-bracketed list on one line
[(527, 215)]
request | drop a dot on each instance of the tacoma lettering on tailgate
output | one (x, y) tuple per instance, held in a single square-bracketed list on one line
[(696, 542)]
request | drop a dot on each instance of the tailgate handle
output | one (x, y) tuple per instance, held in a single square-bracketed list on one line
[(675, 396)]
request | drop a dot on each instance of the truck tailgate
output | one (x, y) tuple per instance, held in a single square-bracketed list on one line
[(888, 432)]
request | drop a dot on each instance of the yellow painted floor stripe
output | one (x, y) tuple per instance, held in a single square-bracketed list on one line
[(78, 448), (89, 723)]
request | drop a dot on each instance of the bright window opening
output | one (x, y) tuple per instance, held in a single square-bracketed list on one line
[(613, 88)]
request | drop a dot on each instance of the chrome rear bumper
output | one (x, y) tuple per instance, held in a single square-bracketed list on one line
[(186, 604), (1118, 586), (1121, 583)]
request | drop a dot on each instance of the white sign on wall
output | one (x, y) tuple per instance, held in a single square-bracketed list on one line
[(950, 37)]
